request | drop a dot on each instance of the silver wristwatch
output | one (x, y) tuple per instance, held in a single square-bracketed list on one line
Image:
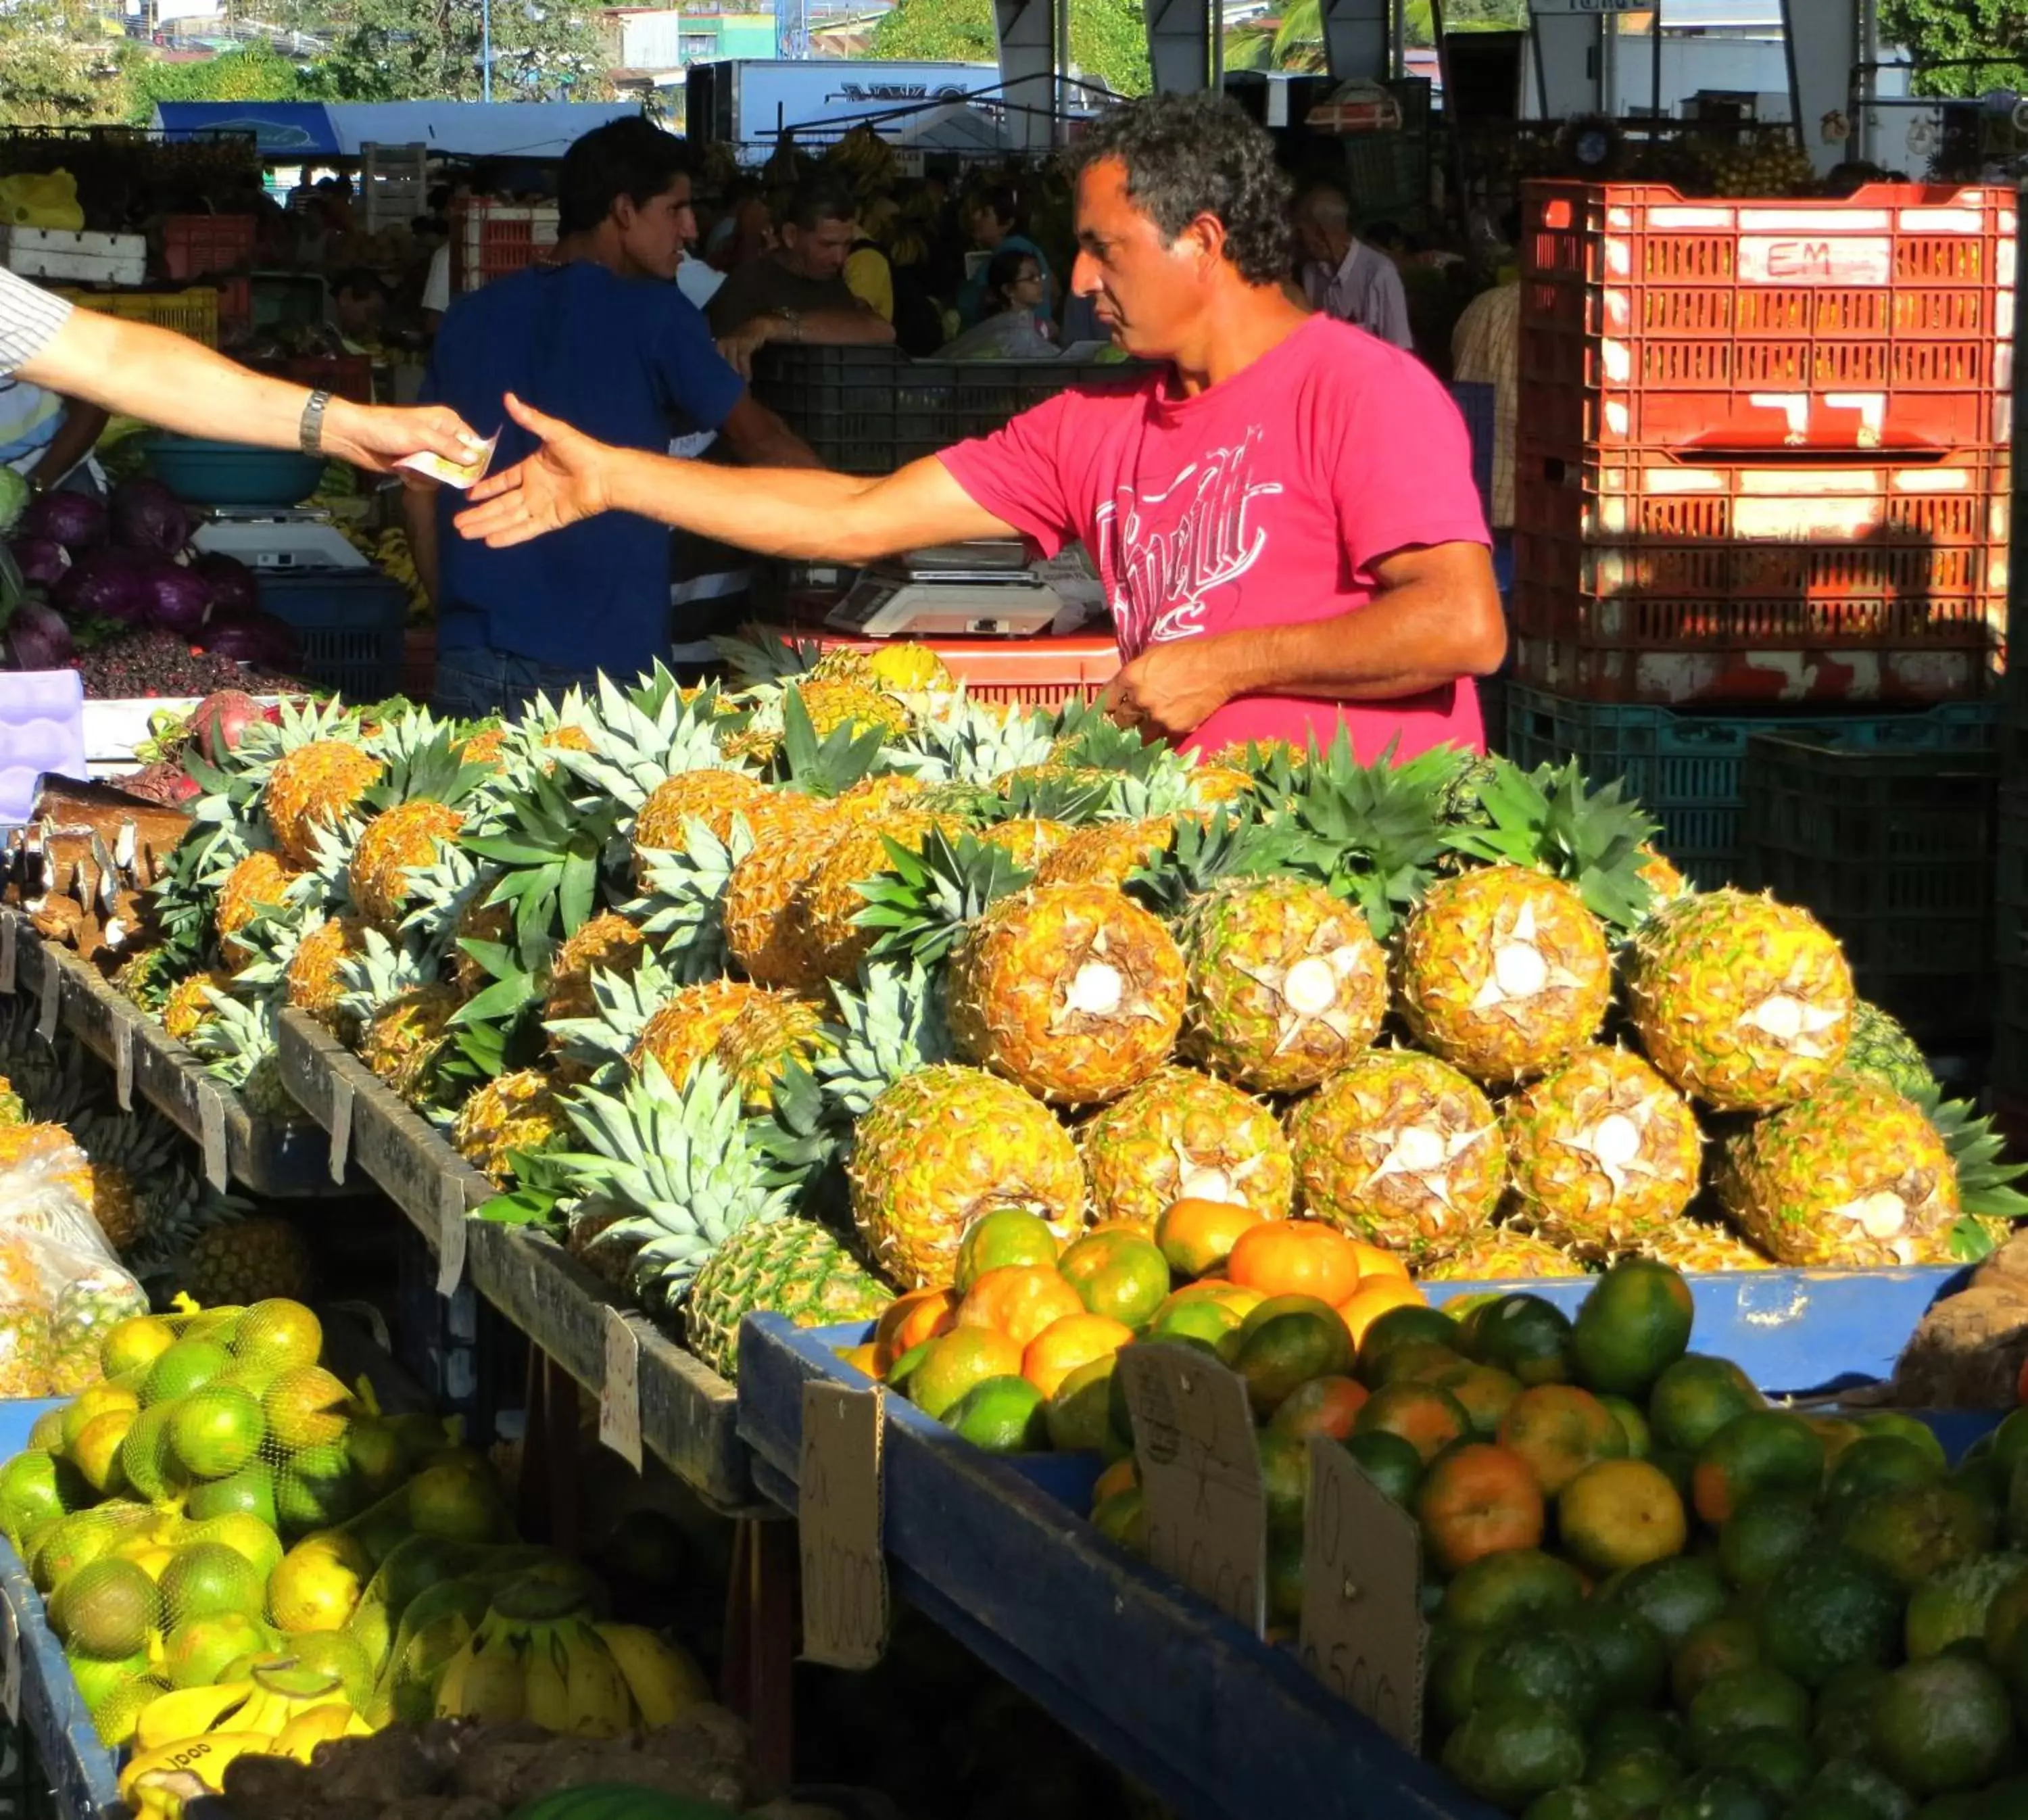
[(309, 433)]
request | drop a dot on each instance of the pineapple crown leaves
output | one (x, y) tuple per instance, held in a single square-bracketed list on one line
[(1075, 797), (829, 766), (641, 736), (761, 657), (1088, 737), (891, 1027), (1550, 819), (237, 1038), (53, 1079), (551, 850), (1984, 1182), (273, 936), (965, 743), (683, 911), (686, 1165), (240, 774), (1198, 855), (424, 764), (625, 1003), (921, 902), (177, 1207), (184, 900), (441, 892), (138, 1144), (380, 971)]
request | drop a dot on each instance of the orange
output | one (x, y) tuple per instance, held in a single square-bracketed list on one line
[(910, 1320), (951, 1366), (1373, 1298), (861, 1359), (1429, 1419), (1067, 1344), (1560, 1430), (1376, 1260), (1134, 1228), (1284, 1343), (1120, 1274), (1478, 1500), (1620, 1513), (1295, 1257), (1325, 1406), (1197, 1236), (1008, 1235), (1123, 1475), (1241, 1302), (1019, 1300)]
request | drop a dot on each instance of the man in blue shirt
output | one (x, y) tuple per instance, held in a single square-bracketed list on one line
[(605, 336)]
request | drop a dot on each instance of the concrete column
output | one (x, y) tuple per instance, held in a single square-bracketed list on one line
[(1826, 38), (1179, 44), (1357, 40), (1569, 59), (1026, 29)]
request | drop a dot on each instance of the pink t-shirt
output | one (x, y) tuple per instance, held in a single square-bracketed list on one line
[(1266, 500)]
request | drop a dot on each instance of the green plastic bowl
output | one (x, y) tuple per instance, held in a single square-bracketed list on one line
[(206, 473)]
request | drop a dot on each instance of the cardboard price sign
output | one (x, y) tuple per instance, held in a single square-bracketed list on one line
[(1362, 1633), (1194, 1438), (839, 1520), (619, 1389)]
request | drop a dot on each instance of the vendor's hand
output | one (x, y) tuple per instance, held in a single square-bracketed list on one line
[(1171, 690), (739, 348), (377, 437), (563, 482)]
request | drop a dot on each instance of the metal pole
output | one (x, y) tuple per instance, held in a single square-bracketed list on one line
[(1655, 63), (486, 49)]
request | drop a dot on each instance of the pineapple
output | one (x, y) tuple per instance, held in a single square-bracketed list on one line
[(1853, 1177), (1603, 1153), (24, 1352), (313, 981), (832, 702), (710, 794), (248, 1261), (410, 834), (1880, 1048), (875, 798), (189, 1003), (1743, 1003), (910, 666), (829, 902), (1181, 1135), (1658, 872), (130, 1154), (940, 1148), (516, 1112), (764, 937), (21, 1275), (1106, 852), (759, 1045), (687, 1028), (1505, 972), (256, 883), (1501, 1254), (485, 747), (1698, 1247), (146, 976), (400, 1039), (607, 942), (791, 1267), (1029, 840), (1287, 984), (1401, 1150), (1073, 992), (477, 922), (315, 785), (1212, 784)]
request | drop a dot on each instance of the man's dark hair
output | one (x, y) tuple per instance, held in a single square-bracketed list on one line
[(1004, 202), (1188, 155), (625, 158), (817, 199), (358, 281), (1004, 272)]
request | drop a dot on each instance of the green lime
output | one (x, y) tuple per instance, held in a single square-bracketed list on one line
[(105, 1608), (1833, 1610), (1510, 1753), (1538, 1667), (1745, 1700), (1001, 1415), (1076, 1416), (1954, 1604), (1634, 1424), (1518, 1584), (1637, 1780), (1916, 1532), (1628, 1727), (1843, 1726), (1942, 1724), (1675, 1595), (1635, 1323), (1392, 1464), (249, 1492), (1525, 1337), (215, 1431), (1877, 1463), (1692, 1399), (1573, 1802), (206, 1578), (1454, 1657), (1909, 1428), (1720, 1795), (1765, 1536), (1716, 1646), (1849, 1779), (186, 1366), (1763, 1450), (1403, 1326), (1626, 1649), (1782, 1759)]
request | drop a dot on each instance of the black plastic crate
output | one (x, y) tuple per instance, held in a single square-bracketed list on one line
[(352, 624)]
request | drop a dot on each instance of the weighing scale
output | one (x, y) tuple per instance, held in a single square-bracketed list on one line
[(278, 538), (984, 589)]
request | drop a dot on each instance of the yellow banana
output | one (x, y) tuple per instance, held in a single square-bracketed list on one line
[(450, 1688), (599, 1704), (201, 1759), (188, 1712), (545, 1683), (303, 1733), (665, 1683), (281, 1694)]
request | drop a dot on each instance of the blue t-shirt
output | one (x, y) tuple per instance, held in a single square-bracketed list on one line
[(629, 361)]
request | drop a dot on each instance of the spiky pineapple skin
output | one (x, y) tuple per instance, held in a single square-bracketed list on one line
[(312, 787), (760, 1044), (832, 702), (762, 934), (829, 901), (411, 834), (1853, 1177), (24, 1352), (1505, 972), (520, 1110), (944, 1146), (1501, 1254), (1880, 1047), (401, 1039), (1711, 974), (1183, 1135), (1030, 839), (1241, 940), (789, 1266), (709, 795), (256, 882), (1028, 986), (259, 1259), (607, 943), (477, 922), (1698, 1249), (1106, 852), (686, 1030), (1367, 1144), (187, 1006), (311, 976), (909, 666), (875, 798), (1566, 1135)]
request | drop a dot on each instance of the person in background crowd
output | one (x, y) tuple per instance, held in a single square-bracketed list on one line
[(1485, 349), (1010, 332), (868, 275), (997, 221), (1343, 276), (47, 438), (603, 334), (358, 307), (797, 293), (1282, 511), (744, 233)]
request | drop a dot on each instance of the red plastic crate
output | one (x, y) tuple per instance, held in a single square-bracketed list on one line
[(197, 246), (1884, 320), (1042, 672), (490, 239)]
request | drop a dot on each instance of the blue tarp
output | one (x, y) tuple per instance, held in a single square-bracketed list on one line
[(281, 128), (513, 129)]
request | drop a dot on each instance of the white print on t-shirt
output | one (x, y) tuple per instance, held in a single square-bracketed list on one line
[(1166, 548)]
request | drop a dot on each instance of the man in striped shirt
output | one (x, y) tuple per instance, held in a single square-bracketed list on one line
[(170, 381)]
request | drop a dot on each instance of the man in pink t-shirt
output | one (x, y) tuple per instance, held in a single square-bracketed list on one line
[(1284, 517)]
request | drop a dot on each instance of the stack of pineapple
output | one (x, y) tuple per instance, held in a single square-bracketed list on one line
[(763, 996)]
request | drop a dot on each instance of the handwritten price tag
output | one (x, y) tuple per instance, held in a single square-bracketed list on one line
[(452, 1233), (1193, 1437), (122, 1064), (10, 1662), (211, 1130), (620, 1391), (1362, 1633), (839, 1518), (52, 1005)]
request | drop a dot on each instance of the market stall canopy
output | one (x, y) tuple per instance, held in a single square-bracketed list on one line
[(455, 129), (954, 127)]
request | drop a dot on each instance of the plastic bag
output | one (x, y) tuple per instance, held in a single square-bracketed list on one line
[(48, 201)]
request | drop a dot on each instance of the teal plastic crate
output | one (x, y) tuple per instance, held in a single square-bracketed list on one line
[(352, 624), (1688, 770)]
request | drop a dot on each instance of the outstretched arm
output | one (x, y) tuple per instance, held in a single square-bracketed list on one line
[(797, 513)]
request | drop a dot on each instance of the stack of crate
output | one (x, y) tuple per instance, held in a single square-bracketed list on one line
[(394, 184), (1763, 487)]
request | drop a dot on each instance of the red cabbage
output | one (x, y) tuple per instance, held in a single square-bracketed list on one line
[(37, 638), (257, 639), (177, 600), (42, 559), (233, 587), (146, 516), (105, 584), (76, 520)]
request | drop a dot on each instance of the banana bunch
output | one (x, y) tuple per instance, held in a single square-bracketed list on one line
[(864, 160), (537, 1656), (391, 550), (664, 1681), (183, 1739)]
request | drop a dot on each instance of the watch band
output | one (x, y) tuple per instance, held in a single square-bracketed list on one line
[(309, 433)]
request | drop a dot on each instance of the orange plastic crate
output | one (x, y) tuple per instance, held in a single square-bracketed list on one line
[(1033, 672), (197, 246)]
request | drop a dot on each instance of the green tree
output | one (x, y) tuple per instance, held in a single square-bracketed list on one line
[(430, 50), (1298, 43), (1985, 42), (56, 68), (253, 73), (1108, 37)]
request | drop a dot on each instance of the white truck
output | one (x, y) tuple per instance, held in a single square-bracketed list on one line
[(747, 101)]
